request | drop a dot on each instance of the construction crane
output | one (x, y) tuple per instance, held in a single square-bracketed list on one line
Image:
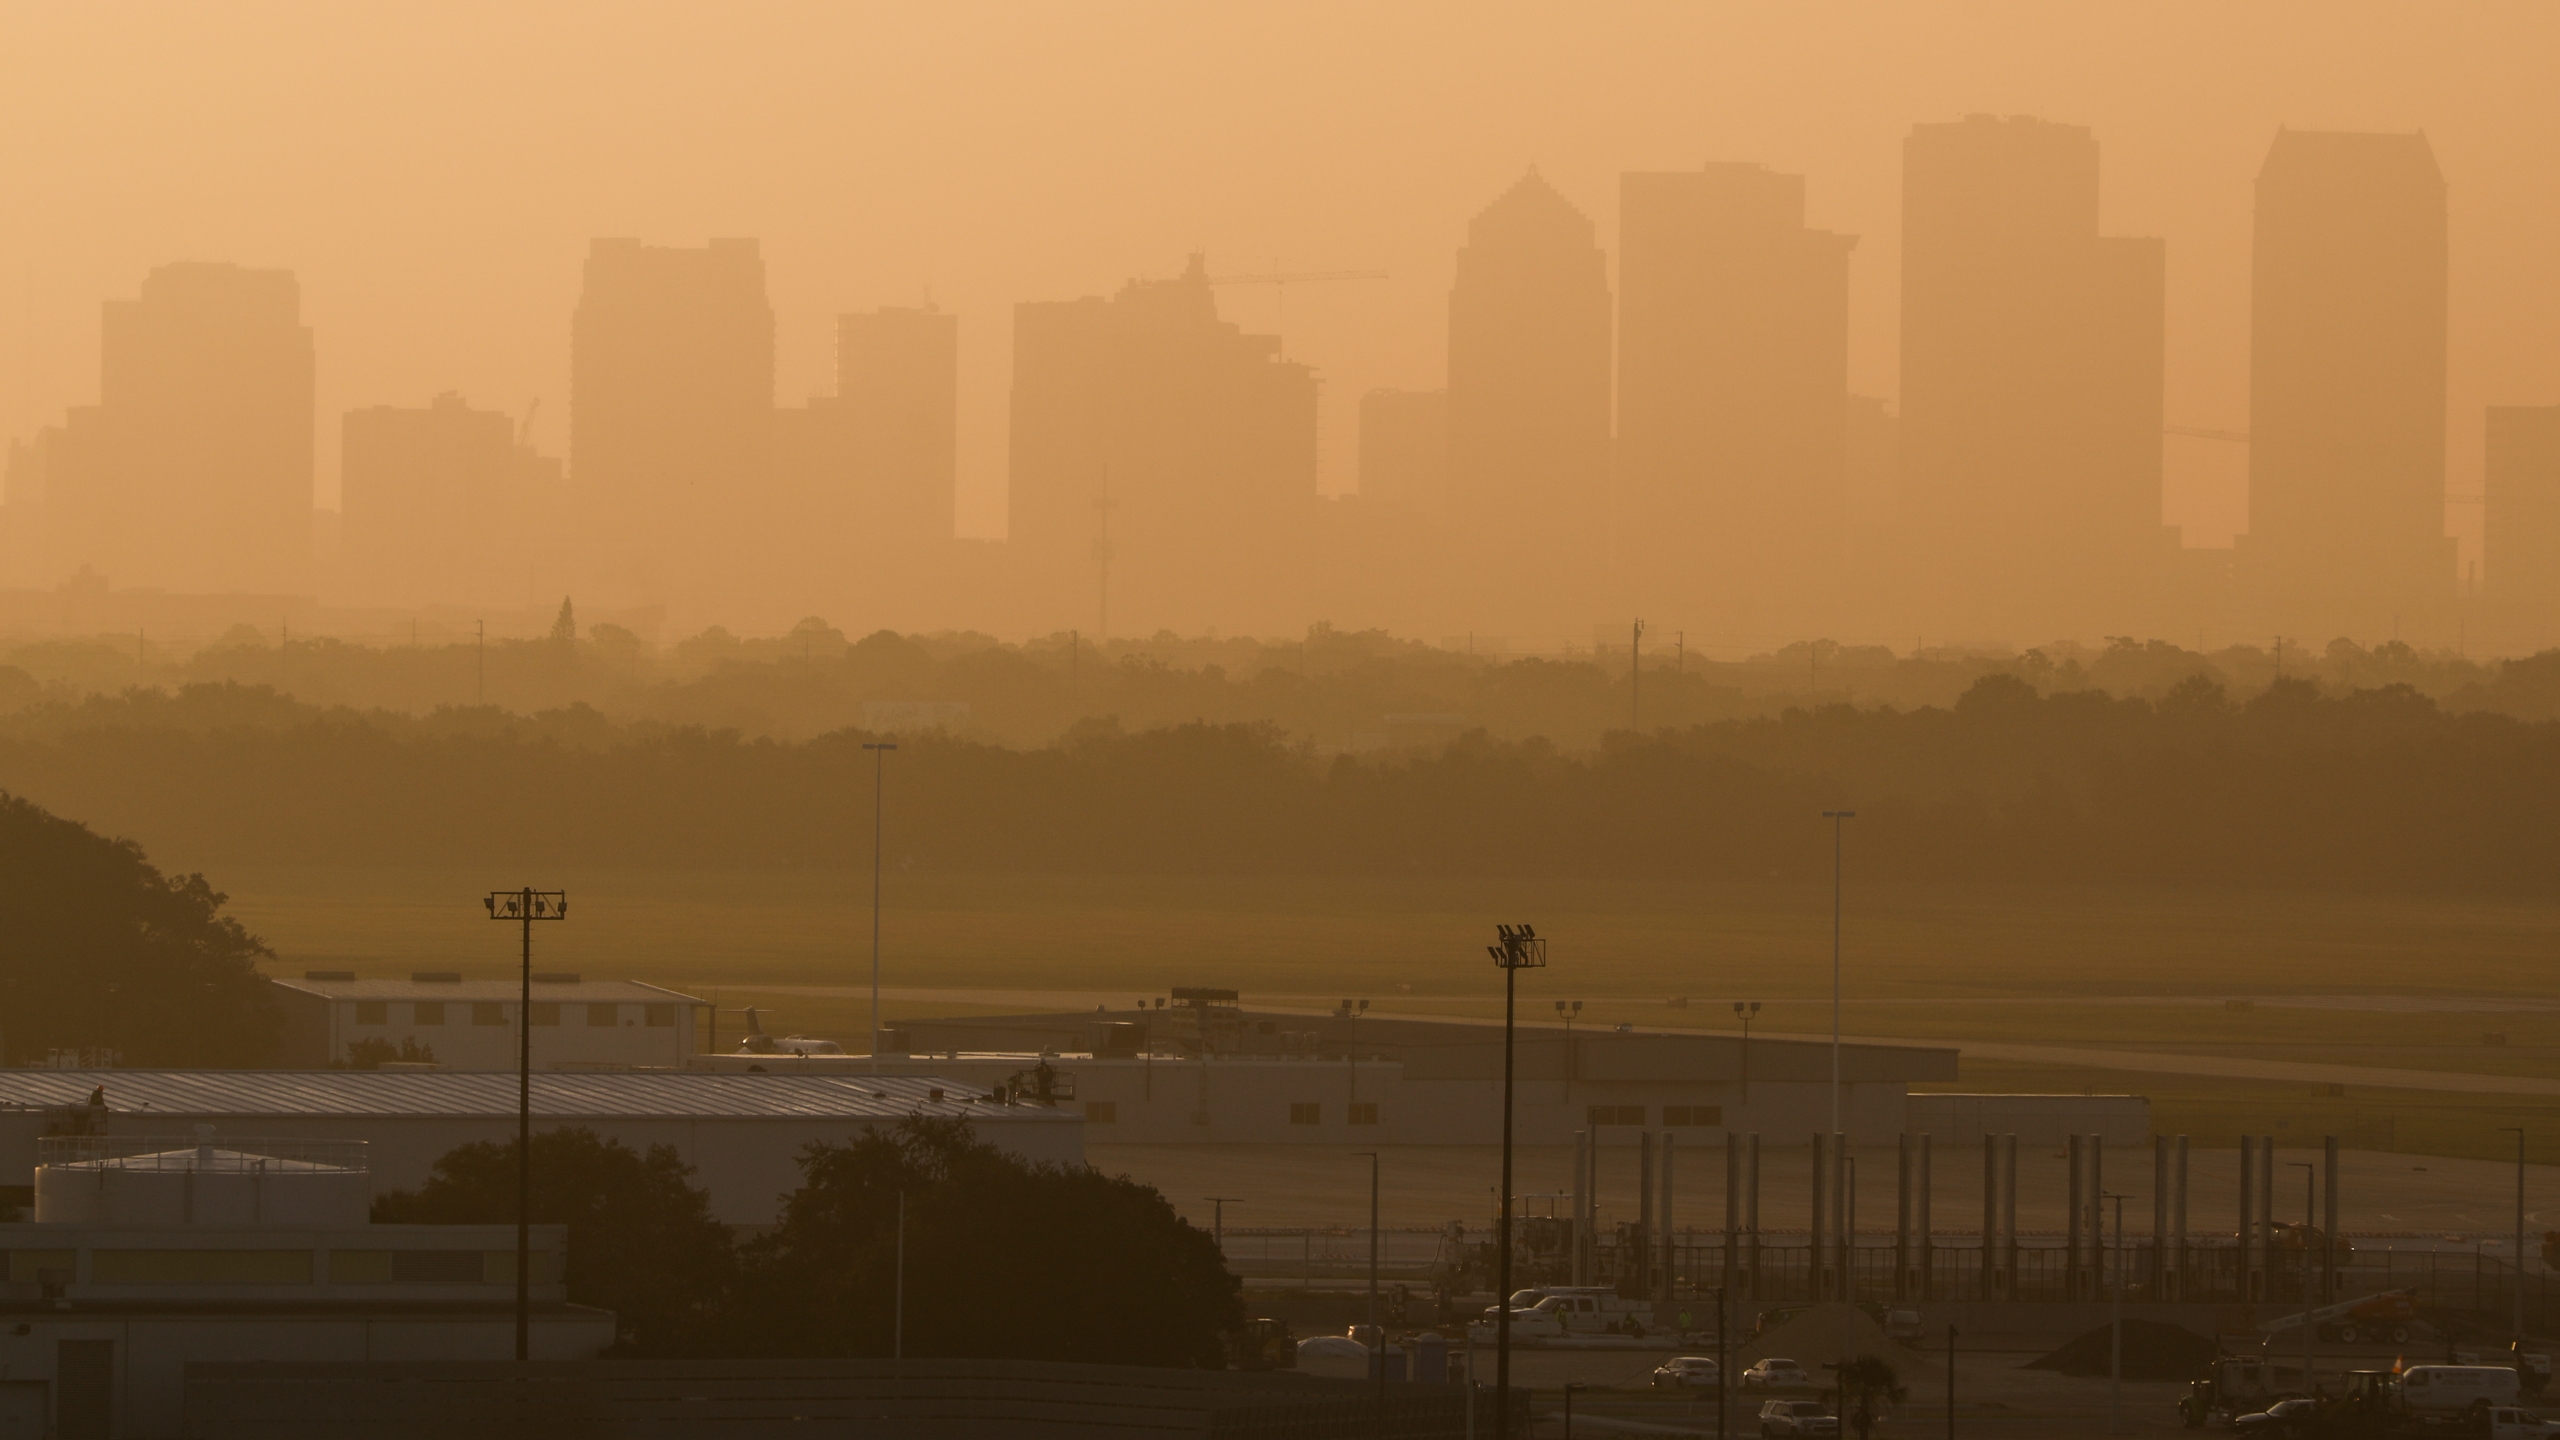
[(524, 430), (1280, 281)]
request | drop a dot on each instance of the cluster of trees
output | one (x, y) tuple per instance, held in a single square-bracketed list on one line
[(2298, 784), (100, 951), (1327, 689), (1004, 1259)]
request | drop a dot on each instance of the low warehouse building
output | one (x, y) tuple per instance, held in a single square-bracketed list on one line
[(336, 1017), (741, 1133)]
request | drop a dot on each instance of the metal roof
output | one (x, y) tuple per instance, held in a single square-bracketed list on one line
[(631, 991), (618, 1094)]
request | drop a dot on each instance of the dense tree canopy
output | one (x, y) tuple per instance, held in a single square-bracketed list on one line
[(2297, 784), (1003, 1259), (642, 1241), (100, 950)]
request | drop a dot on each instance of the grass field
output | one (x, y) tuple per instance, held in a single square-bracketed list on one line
[(2366, 980)]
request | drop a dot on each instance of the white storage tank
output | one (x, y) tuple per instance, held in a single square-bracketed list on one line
[(162, 1182)]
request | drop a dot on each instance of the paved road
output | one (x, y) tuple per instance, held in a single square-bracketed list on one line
[(2077, 1057)]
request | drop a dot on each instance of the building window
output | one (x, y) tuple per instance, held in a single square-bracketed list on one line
[(660, 1016), (373, 1012), (1101, 1112), (428, 1012), (606, 1015), (1676, 1115), (1364, 1112), (488, 1012), (1617, 1115), (546, 1012), (1306, 1113)]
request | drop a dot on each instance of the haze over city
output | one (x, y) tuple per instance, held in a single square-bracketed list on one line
[(1046, 720)]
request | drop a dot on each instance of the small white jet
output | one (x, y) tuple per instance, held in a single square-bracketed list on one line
[(759, 1043)]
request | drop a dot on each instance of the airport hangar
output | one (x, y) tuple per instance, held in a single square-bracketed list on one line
[(1205, 1070), (741, 1133)]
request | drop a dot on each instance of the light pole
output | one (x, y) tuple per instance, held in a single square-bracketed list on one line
[(525, 906), (1218, 1220), (2310, 1215), (1746, 1015), (879, 776), (1951, 1382), (1724, 1363), (1839, 819), (2115, 1322), (1378, 1365), (2519, 1266), (1570, 1010), (898, 1319), (1569, 1387), (1519, 949)]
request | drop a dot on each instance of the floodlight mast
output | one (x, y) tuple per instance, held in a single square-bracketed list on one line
[(524, 906), (879, 777), (1520, 948)]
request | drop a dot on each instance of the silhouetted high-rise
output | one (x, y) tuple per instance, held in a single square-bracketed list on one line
[(2347, 385), (898, 379), (443, 504), (1529, 416), (1733, 365), (670, 411), (2520, 519), (194, 470), (2031, 387), (1404, 452), (1163, 463)]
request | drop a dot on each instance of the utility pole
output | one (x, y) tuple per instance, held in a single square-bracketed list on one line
[(898, 1324), (1378, 1362), (1747, 1011), (2310, 1217), (879, 777), (2519, 1283), (1635, 677), (1218, 1220), (1951, 1376), (1520, 949), (1838, 819), (2115, 1325), (525, 906)]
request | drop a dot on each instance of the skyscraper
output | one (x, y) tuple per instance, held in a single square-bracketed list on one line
[(1733, 380), (1529, 417), (2520, 518), (442, 504), (2031, 388), (1404, 452), (2347, 386), (1163, 463), (898, 380), (194, 470), (670, 411)]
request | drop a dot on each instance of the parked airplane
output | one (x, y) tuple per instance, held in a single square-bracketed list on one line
[(759, 1043)]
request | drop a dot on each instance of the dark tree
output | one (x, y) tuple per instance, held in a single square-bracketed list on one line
[(642, 1242), (1004, 1259), (97, 948)]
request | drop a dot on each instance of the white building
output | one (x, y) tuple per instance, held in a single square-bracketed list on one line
[(742, 1134), (153, 1250), (332, 1017)]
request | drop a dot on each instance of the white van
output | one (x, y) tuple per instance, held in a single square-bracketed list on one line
[(2440, 1391), (2508, 1423)]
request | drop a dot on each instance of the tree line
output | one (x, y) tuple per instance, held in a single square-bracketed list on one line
[(2296, 785)]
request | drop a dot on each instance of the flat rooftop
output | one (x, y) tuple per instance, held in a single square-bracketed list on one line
[(613, 1094), (342, 985)]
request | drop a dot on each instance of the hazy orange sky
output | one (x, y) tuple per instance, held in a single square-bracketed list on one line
[(433, 172)]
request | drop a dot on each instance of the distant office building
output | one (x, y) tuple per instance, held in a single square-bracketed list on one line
[(194, 470), (1162, 465), (1529, 416), (439, 1018), (2520, 521), (898, 381), (1404, 451), (1733, 377), (2347, 385), (670, 409), (443, 504), (2031, 387)]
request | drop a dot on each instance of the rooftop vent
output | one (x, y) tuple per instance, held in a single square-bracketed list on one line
[(555, 977), (328, 974), (434, 977)]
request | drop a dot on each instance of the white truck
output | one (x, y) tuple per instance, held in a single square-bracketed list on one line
[(2447, 1392)]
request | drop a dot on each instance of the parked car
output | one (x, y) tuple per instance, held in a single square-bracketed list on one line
[(1903, 1325), (2508, 1423), (2284, 1420), (1797, 1417), (1775, 1374), (1688, 1372)]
